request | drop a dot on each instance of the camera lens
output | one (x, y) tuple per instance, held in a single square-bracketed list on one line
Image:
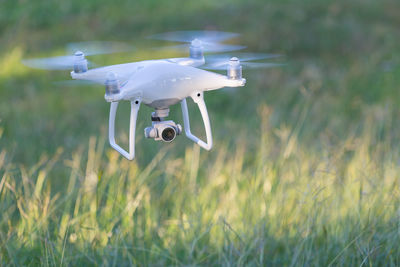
[(168, 134)]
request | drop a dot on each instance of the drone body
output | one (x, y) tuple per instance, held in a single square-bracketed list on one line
[(161, 83)]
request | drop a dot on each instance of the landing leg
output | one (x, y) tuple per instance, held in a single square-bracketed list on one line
[(198, 98), (135, 105)]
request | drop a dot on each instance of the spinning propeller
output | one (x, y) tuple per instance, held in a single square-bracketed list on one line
[(223, 61), (77, 60), (199, 41)]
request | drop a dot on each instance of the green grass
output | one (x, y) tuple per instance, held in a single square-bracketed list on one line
[(305, 167)]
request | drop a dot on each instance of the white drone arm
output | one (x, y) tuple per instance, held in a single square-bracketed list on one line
[(135, 105), (198, 98)]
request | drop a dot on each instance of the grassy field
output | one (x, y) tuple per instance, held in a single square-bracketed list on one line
[(306, 163)]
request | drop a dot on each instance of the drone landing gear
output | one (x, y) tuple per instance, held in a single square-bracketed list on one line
[(169, 134), (198, 98), (135, 105)]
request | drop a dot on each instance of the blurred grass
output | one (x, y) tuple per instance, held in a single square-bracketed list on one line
[(305, 166)]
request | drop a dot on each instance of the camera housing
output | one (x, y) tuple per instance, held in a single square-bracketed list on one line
[(163, 130)]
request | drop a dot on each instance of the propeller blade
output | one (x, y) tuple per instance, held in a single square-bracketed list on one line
[(223, 58), (73, 83), (245, 65), (67, 62), (98, 47), (215, 47), (51, 63), (188, 36), (260, 65), (207, 47)]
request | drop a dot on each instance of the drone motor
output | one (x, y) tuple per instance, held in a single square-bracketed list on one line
[(112, 84), (234, 69), (196, 49), (80, 62)]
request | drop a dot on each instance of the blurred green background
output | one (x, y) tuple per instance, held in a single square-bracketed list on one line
[(305, 164)]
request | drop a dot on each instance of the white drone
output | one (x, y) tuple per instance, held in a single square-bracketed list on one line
[(162, 83)]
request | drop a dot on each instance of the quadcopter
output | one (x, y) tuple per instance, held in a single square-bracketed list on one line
[(163, 82)]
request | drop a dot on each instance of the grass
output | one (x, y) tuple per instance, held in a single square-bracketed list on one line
[(305, 166)]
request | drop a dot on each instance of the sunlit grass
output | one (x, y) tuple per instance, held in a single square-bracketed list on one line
[(280, 204), (11, 65)]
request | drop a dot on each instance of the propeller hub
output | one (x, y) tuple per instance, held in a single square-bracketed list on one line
[(79, 55), (196, 43), (234, 61)]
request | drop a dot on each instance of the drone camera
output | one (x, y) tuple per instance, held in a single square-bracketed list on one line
[(112, 84), (234, 69), (80, 62), (163, 130)]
